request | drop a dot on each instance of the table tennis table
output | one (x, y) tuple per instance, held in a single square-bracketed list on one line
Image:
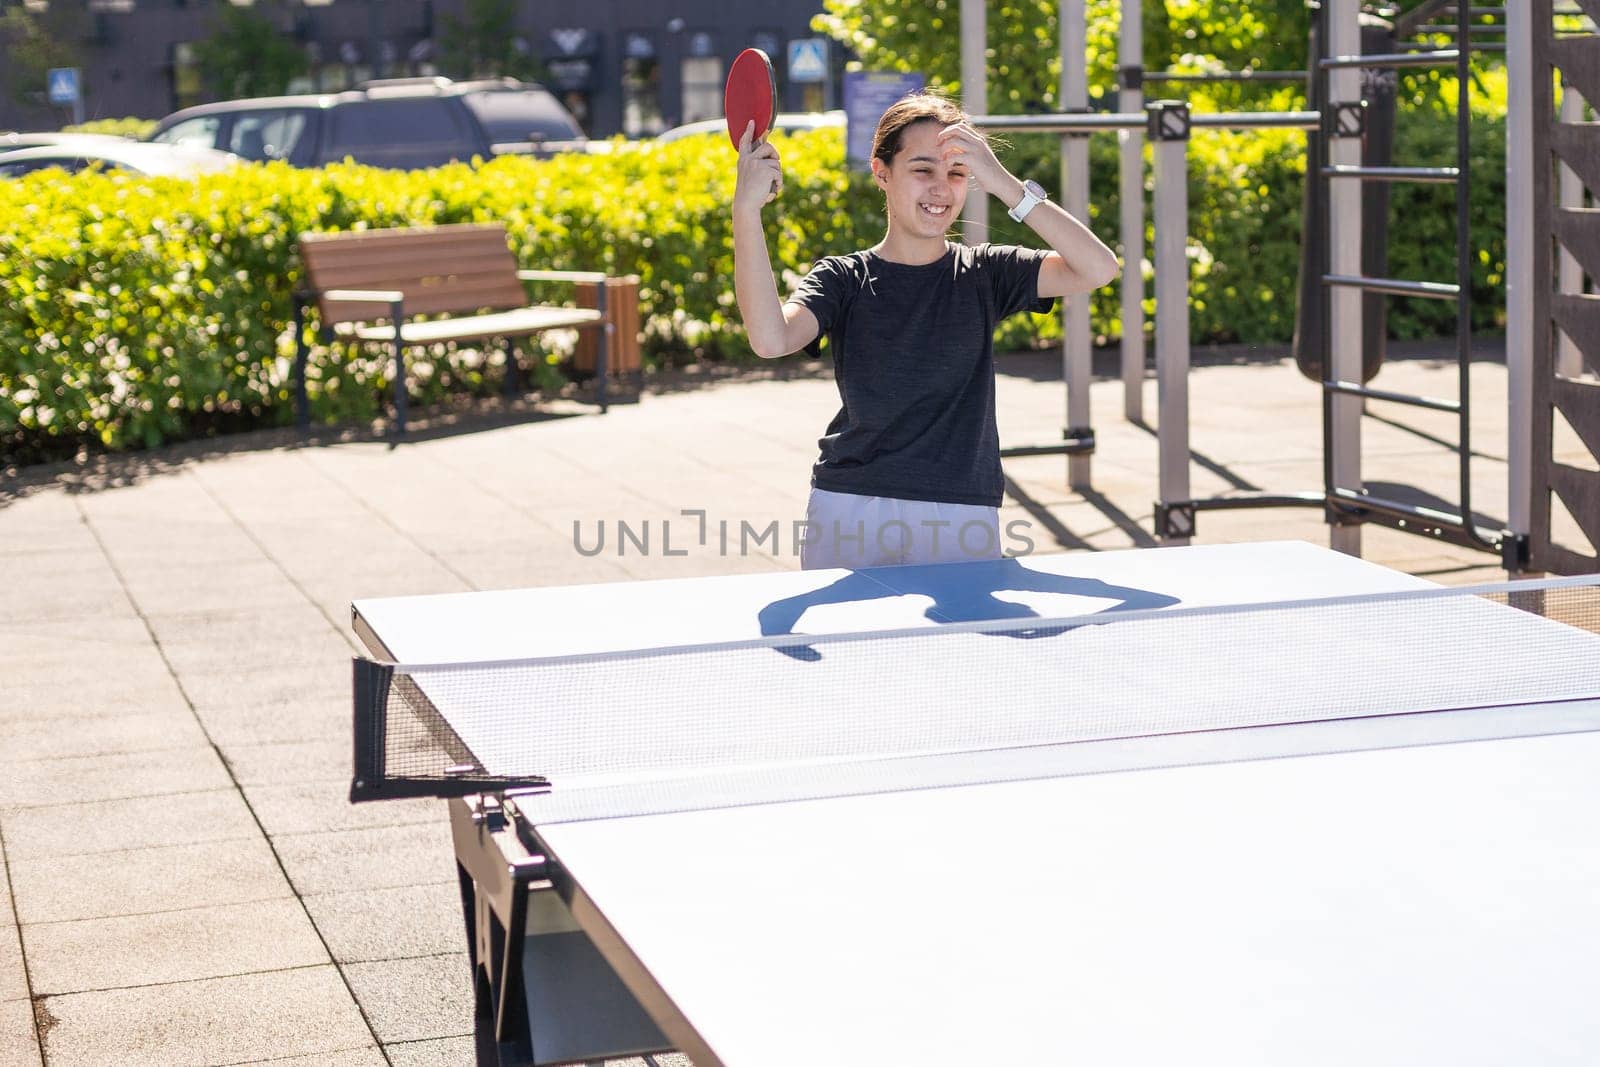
[(1243, 804)]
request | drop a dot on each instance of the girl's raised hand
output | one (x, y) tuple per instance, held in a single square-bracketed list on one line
[(962, 142), (760, 175)]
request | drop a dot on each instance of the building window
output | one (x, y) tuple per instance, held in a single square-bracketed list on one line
[(641, 87), (702, 88)]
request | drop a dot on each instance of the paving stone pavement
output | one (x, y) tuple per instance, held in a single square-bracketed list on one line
[(184, 880)]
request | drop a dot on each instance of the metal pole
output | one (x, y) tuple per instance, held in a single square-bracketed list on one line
[(1520, 250), (975, 98), (1569, 277), (1345, 331), (1169, 134), (1130, 171), (1076, 356), (1464, 258)]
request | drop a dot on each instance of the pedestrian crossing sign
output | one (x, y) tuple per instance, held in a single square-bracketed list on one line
[(63, 85), (808, 60)]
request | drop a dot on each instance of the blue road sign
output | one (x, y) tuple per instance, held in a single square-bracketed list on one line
[(808, 60), (867, 95), (63, 84)]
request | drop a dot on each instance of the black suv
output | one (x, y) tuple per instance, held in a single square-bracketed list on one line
[(402, 123)]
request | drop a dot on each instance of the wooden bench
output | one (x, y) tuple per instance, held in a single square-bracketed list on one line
[(369, 287)]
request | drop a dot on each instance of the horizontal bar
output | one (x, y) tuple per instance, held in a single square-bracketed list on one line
[(1232, 76), (1451, 30), (1091, 122), (1500, 13), (1076, 447), (1352, 389), (1485, 46), (1448, 526), (402, 788), (1395, 286), (1441, 175), (1256, 120), (1255, 500), (1102, 122), (1440, 57)]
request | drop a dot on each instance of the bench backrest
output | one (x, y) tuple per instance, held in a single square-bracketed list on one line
[(441, 270)]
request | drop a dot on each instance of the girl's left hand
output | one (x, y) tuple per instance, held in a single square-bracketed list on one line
[(962, 142)]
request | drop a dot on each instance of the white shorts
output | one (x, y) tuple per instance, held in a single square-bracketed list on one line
[(846, 530)]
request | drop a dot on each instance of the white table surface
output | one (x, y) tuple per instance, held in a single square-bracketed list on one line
[(1407, 905), (1412, 906)]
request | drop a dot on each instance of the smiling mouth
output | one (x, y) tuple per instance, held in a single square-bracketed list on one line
[(938, 211)]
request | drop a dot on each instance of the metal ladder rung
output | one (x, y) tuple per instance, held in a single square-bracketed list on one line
[(1441, 175), (1432, 404), (1448, 30), (1395, 286), (1247, 75), (1436, 57), (1424, 44)]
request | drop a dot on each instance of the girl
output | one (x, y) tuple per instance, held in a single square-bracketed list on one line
[(909, 470)]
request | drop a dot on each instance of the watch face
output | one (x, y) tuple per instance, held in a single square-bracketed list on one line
[(1033, 188)]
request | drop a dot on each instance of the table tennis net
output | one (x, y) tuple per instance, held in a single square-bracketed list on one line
[(797, 716)]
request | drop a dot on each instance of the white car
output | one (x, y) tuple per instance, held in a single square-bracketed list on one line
[(136, 157), (12, 139), (788, 122)]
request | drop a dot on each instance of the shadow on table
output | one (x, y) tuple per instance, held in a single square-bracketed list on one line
[(962, 592)]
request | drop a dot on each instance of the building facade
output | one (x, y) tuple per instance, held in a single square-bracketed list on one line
[(622, 66)]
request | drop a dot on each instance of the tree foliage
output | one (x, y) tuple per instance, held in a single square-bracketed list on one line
[(1024, 39), (247, 55), (33, 43), (483, 42)]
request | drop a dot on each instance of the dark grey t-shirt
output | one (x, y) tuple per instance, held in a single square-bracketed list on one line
[(913, 357)]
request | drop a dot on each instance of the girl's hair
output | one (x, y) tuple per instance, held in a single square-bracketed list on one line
[(927, 105)]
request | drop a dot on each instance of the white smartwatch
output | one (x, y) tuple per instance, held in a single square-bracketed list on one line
[(1032, 193)]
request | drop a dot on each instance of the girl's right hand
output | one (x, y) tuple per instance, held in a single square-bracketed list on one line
[(760, 176)]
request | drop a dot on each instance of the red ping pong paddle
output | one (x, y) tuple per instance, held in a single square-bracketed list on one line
[(751, 93)]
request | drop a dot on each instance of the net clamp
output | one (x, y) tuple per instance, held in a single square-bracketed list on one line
[(487, 813)]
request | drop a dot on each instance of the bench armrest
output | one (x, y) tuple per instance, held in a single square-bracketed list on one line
[(364, 296), (597, 277)]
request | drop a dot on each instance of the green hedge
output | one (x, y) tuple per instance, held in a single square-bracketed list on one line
[(138, 129), (134, 311)]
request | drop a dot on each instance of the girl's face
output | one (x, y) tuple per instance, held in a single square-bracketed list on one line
[(925, 190)]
